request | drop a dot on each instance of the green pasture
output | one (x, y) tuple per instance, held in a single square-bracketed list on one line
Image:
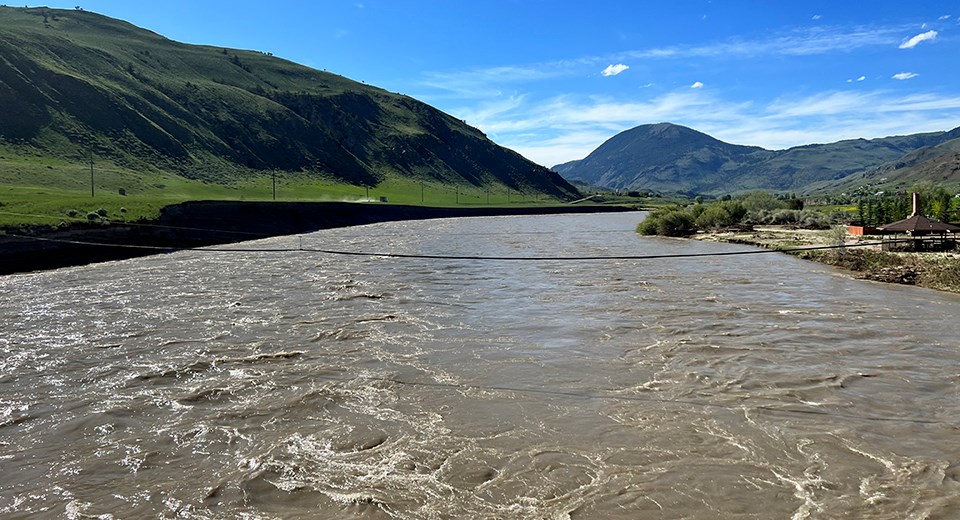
[(43, 190)]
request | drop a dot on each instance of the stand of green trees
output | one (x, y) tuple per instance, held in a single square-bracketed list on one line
[(758, 207), (762, 208), (884, 208)]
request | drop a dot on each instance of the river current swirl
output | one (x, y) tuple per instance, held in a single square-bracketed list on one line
[(307, 385)]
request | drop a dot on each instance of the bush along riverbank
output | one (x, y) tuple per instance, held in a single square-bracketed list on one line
[(762, 220)]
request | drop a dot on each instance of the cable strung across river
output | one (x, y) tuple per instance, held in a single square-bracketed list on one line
[(447, 257)]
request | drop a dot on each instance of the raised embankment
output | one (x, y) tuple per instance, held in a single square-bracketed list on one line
[(203, 223)]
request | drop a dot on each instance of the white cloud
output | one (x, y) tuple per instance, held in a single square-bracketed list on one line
[(905, 75), (861, 78), (816, 17), (944, 17), (697, 85), (912, 42), (613, 70)]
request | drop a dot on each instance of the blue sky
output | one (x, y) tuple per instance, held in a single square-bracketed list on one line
[(554, 79)]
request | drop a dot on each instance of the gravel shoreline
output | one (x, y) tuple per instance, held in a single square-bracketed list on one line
[(940, 271)]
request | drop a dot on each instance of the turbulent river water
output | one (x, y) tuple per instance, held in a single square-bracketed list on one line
[(309, 385)]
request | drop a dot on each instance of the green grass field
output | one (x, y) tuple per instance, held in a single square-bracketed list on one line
[(38, 190)]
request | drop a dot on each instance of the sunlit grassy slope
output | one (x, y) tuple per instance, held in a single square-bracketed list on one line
[(41, 190), (168, 122)]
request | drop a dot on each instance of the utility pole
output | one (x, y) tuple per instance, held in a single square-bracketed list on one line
[(368, 192), (91, 175), (274, 184), (421, 191)]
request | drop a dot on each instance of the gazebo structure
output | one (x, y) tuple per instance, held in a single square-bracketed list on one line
[(925, 233)]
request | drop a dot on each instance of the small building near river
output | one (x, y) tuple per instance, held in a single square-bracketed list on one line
[(919, 233)]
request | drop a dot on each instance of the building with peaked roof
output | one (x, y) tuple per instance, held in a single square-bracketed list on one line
[(926, 234)]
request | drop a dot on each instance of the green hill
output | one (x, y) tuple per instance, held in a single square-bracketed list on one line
[(937, 165), (660, 157), (671, 158), (76, 85)]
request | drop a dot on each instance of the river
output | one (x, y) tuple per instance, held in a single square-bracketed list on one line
[(308, 385)]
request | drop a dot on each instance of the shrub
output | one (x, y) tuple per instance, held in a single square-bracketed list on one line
[(93, 216), (714, 216), (675, 224), (806, 219), (102, 212), (670, 222), (647, 226), (761, 200), (736, 210), (814, 220)]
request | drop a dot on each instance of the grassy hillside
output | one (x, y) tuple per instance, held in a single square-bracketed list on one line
[(660, 157), (937, 165), (210, 122), (42, 190)]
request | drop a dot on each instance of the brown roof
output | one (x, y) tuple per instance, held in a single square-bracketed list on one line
[(921, 224)]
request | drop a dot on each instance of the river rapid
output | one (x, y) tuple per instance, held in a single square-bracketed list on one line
[(296, 385)]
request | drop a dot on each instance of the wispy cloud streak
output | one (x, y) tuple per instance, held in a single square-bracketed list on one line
[(905, 75), (613, 70), (922, 37)]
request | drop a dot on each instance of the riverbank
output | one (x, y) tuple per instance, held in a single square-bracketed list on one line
[(939, 271), (205, 223)]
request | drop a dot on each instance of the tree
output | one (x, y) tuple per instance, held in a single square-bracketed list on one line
[(761, 200), (938, 205)]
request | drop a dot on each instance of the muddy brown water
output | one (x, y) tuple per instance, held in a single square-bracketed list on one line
[(307, 385)]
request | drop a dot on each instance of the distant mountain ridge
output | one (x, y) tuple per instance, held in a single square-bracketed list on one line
[(671, 158), (75, 83)]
